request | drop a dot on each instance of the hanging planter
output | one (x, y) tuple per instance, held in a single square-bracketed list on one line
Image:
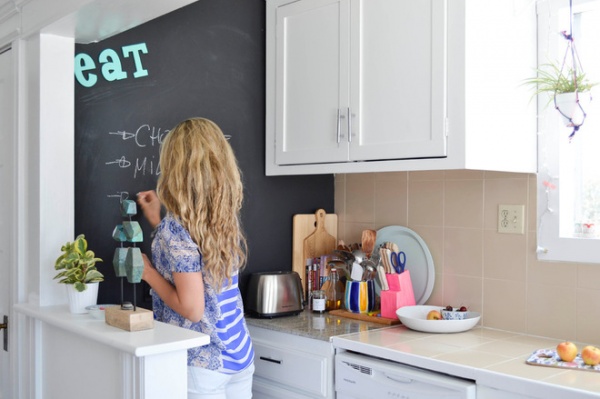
[(566, 84), (572, 107)]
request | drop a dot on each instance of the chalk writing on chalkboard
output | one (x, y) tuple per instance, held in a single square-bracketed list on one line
[(140, 151)]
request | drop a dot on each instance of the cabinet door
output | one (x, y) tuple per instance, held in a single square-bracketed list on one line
[(311, 82), (398, 80)]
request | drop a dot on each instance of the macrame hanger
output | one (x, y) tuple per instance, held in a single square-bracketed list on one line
[(575, 66)]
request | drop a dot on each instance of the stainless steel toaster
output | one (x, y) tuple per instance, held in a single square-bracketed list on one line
[(273, 294)]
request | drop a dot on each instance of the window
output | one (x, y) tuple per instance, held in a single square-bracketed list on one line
[(569, 169)]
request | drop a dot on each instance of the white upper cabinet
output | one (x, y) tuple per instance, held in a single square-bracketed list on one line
[(390, 85)]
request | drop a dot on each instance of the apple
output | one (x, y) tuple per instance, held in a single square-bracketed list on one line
[(590, 355), (434, 315), (567, 351)]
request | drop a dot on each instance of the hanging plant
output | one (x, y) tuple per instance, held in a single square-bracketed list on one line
[(568, 84), (552, 80)]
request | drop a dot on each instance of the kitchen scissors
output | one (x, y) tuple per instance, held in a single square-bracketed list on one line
[(398, 261)]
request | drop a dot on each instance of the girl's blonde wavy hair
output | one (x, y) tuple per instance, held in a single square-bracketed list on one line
[(200, 184)]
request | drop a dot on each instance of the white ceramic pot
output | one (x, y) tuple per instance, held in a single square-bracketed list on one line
[(569, 108), (79, 300)]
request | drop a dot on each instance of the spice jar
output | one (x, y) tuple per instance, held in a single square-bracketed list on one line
[(318, 301)]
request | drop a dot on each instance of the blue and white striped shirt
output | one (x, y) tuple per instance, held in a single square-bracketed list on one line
[(230, 349)]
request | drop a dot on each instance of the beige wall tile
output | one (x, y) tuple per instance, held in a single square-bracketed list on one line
[(455, 212), (394, 177), (532, 205), (463, 203), (462, 291), (426, 202), (437, 295), (340, 197), (587, 311), (391, 203), (360, 198), (504, 256), (434, 239), (426, 175), (551, 311), (588, 275), (463, 174), (504, 305), (463, 252)]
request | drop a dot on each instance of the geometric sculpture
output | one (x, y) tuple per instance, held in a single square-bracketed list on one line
[(119, 233), (119, 261), (133, 231), (129, 262), (128, 208), (134, 265)]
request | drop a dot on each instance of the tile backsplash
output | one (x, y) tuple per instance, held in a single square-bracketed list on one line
[(456, 212)]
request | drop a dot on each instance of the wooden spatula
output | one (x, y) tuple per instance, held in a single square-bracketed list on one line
[(319, 242)]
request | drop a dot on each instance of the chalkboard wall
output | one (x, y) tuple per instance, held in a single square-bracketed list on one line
[(207, 59)]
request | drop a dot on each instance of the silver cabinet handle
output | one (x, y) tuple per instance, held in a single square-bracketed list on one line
[(349, 126), (339, 127)]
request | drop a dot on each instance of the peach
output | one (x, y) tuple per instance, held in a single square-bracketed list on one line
[(590, 355), (567, 351), (434, 315)]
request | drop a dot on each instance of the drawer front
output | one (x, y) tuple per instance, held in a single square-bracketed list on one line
[(303, 371)]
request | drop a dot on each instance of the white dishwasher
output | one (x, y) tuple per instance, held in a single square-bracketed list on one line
[(364, 377)]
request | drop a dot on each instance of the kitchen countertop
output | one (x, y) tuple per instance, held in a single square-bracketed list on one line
[(493, 358), (314, 325)]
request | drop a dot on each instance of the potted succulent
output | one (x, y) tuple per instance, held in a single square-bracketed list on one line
[(77, 267), (569, 88)]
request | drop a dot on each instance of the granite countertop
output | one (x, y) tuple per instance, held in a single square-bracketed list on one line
[(314, 325)]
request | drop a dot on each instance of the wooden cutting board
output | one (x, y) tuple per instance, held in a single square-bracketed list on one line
[(305, 227)]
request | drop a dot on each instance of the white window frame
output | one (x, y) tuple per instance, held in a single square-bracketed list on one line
[(550, 245)]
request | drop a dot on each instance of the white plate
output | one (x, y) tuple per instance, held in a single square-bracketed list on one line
[(418, 258), (415, 318)]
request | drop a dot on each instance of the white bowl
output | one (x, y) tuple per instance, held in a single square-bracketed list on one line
[(97, 311), (415, 318)]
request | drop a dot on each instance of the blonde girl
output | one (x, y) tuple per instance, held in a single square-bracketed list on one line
[(197, 252)]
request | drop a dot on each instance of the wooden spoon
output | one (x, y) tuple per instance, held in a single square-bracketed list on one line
[(368, 242)]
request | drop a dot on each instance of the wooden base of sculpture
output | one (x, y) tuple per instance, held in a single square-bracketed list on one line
[(129, 320)]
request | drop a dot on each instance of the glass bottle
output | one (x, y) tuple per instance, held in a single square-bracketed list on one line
[(334, 292)]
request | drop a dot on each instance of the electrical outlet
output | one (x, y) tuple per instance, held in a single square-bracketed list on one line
[(511, 219)]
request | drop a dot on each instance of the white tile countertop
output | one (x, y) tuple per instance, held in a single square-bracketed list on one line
[(493, 358)]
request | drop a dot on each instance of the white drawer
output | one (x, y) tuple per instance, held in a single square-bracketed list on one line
[(300, 370)]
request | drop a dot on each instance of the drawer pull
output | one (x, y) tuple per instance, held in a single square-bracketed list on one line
[(270, 360)]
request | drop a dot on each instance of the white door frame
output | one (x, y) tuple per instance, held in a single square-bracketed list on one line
[(8, 165)]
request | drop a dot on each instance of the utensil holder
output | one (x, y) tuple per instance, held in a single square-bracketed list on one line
[(400, 294), (360, 296)]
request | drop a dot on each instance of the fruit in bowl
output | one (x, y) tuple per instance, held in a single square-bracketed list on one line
[(450, 313), (434, 315)]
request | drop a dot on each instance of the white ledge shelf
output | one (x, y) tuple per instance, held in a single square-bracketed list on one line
[(162, 338)]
